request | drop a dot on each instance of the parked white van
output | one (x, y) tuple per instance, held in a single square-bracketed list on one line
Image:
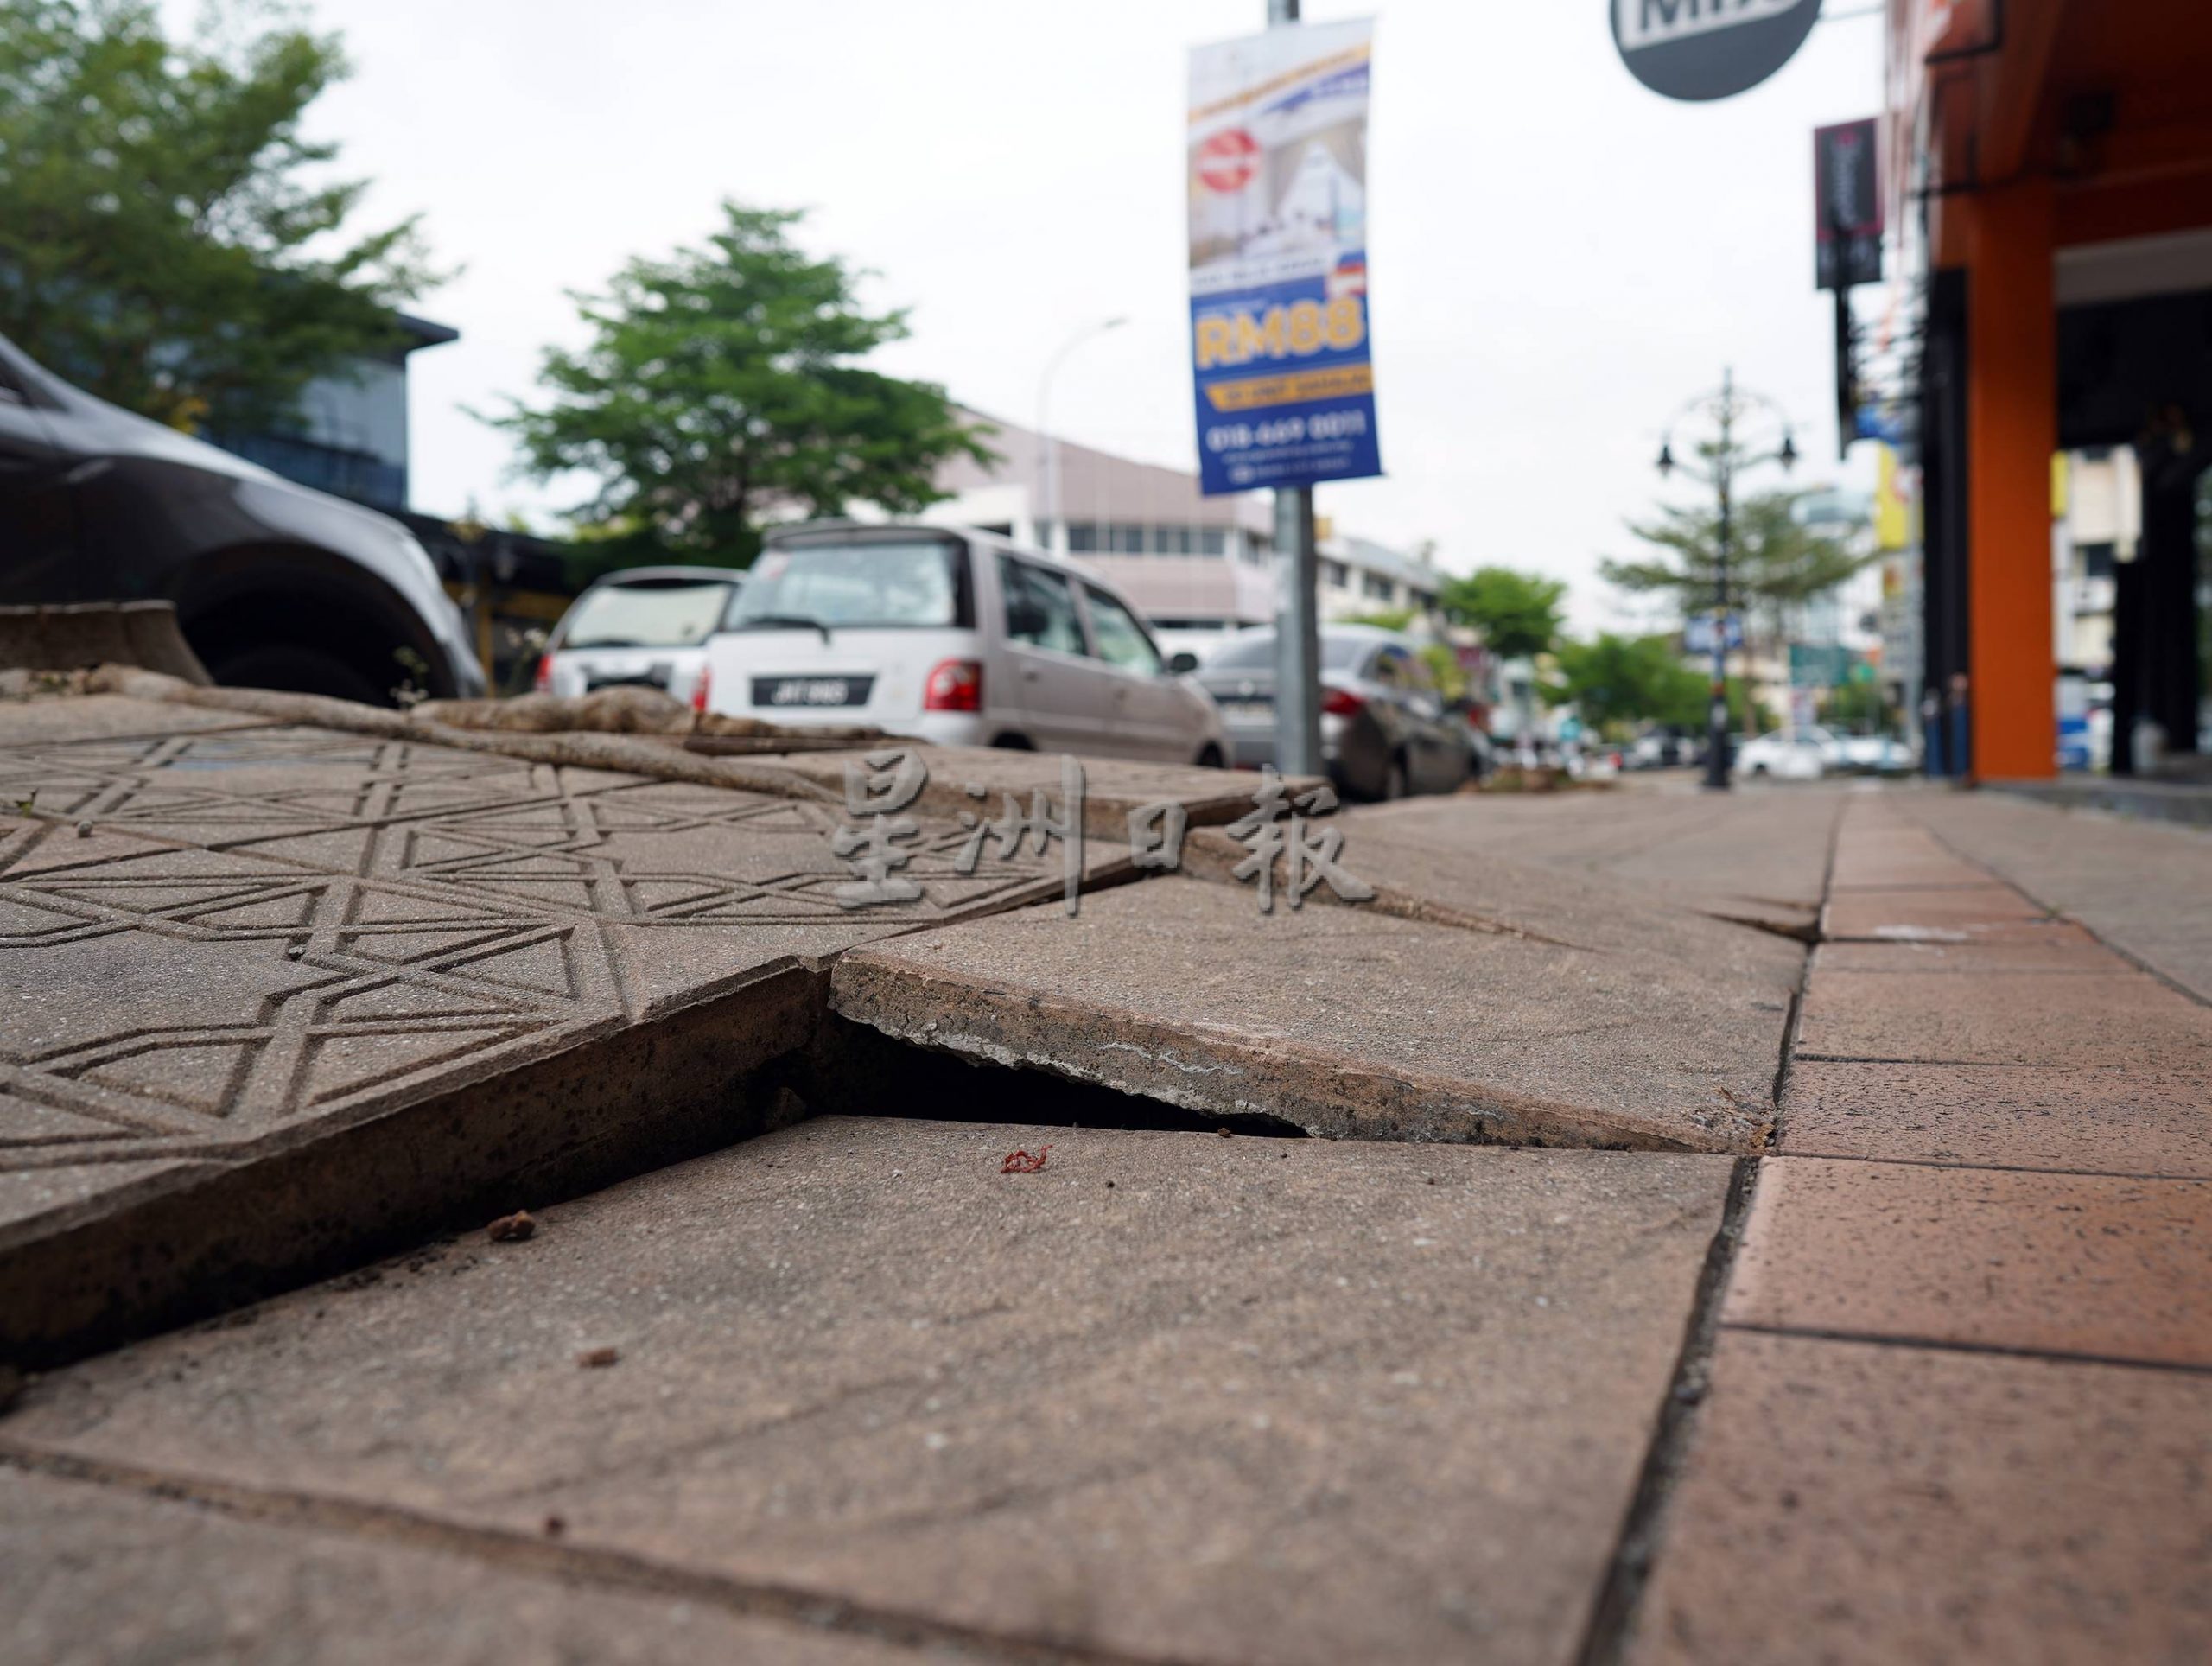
[(954, 636)]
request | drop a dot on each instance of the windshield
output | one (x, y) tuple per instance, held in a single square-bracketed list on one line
[(658, 615), (1251, 650), (857, 585)]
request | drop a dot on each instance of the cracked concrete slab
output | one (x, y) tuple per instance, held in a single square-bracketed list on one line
[(1113, 787), (1171, 1396), (384, 975), (1758, 855), (1341, 1021)]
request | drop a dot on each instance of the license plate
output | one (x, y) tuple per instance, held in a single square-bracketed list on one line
[(1247, 711), (811, 690)]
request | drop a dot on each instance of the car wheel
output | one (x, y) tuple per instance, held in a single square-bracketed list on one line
[(1210, 756), (1394, 784), (1758, 771), (1012, 743), (300, 671)]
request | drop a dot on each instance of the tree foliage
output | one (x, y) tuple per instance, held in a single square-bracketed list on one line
[(719, 387), (1774, 561), (169, 237), (1517, 614), (1616, 681)]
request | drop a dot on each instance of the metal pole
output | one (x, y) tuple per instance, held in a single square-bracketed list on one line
[(1298, 630), (1716, 744), (1047, 510)]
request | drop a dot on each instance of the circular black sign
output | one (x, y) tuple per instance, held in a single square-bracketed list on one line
[(1699, 49)]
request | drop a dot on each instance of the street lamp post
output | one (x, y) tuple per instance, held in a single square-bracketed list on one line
[(1048, 448), (1725, 408)]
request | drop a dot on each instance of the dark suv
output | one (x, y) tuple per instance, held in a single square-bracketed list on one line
[(276, 586)]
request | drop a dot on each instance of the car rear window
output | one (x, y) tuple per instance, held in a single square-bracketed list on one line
[(1256, 651), (651, 615), (866, 583)]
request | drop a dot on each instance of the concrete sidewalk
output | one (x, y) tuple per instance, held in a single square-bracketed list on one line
[(1655, 1296)]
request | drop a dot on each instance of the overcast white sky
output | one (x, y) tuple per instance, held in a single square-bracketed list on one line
[(1558, 257)]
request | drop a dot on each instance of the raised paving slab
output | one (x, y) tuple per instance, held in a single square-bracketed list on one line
[(92, 1573), (1174, 1396), (1850, 1501), (1113, 787), (2109, 1120), (1343, 1020), (1759, 854), (357, 979), (2108, 1267)]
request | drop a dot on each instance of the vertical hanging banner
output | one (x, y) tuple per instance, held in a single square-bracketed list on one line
[(1278, 178)]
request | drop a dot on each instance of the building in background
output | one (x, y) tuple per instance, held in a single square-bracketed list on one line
[(2097, 525), (1360, 576), (1198, 568), (349, 436), (2050, 169)]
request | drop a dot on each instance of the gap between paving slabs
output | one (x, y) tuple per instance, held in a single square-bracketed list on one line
[(192, 1259)]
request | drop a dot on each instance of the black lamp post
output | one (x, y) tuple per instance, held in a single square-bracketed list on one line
[(1724, 408)]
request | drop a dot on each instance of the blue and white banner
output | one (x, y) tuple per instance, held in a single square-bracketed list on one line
[(1284, 390)]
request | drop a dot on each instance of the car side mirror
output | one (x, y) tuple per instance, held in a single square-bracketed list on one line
[(1183, 664)]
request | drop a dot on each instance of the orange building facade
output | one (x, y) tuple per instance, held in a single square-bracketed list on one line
[(2051, 161)]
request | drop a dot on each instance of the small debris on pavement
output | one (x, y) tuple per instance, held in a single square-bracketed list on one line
[(594, 1359), (1225, 1133), (1020, 1162), (83, 830), (555, 1526), (512, 1229)]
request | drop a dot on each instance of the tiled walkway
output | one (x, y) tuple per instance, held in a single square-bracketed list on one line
[(1960, 1397)]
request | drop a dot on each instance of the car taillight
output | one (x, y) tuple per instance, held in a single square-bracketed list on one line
[(954, 685), (699, 689), (1342, 702), (544, 681)]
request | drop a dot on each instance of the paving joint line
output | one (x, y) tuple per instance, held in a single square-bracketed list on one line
[(564, 1562), (1612, 1615), (1991, 1168), (1951, 1344)]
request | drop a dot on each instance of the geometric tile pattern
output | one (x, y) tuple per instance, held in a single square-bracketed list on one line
[(265, 925)]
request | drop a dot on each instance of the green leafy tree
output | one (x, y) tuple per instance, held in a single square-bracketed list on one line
[(1517, 614), (1860, 707), (1618, 681), (719, 387), (1774, 561), (169, 239)]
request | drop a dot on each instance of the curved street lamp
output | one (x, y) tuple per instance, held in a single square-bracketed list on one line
[(1725, 408), (1048, 448)]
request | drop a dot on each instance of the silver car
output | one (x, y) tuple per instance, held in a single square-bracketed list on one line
[(1384, 731), (647, 627)]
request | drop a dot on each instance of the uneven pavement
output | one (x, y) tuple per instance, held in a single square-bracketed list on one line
[(1648, 1296)]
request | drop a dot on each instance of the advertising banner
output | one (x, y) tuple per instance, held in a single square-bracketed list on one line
[(1278, 180)]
